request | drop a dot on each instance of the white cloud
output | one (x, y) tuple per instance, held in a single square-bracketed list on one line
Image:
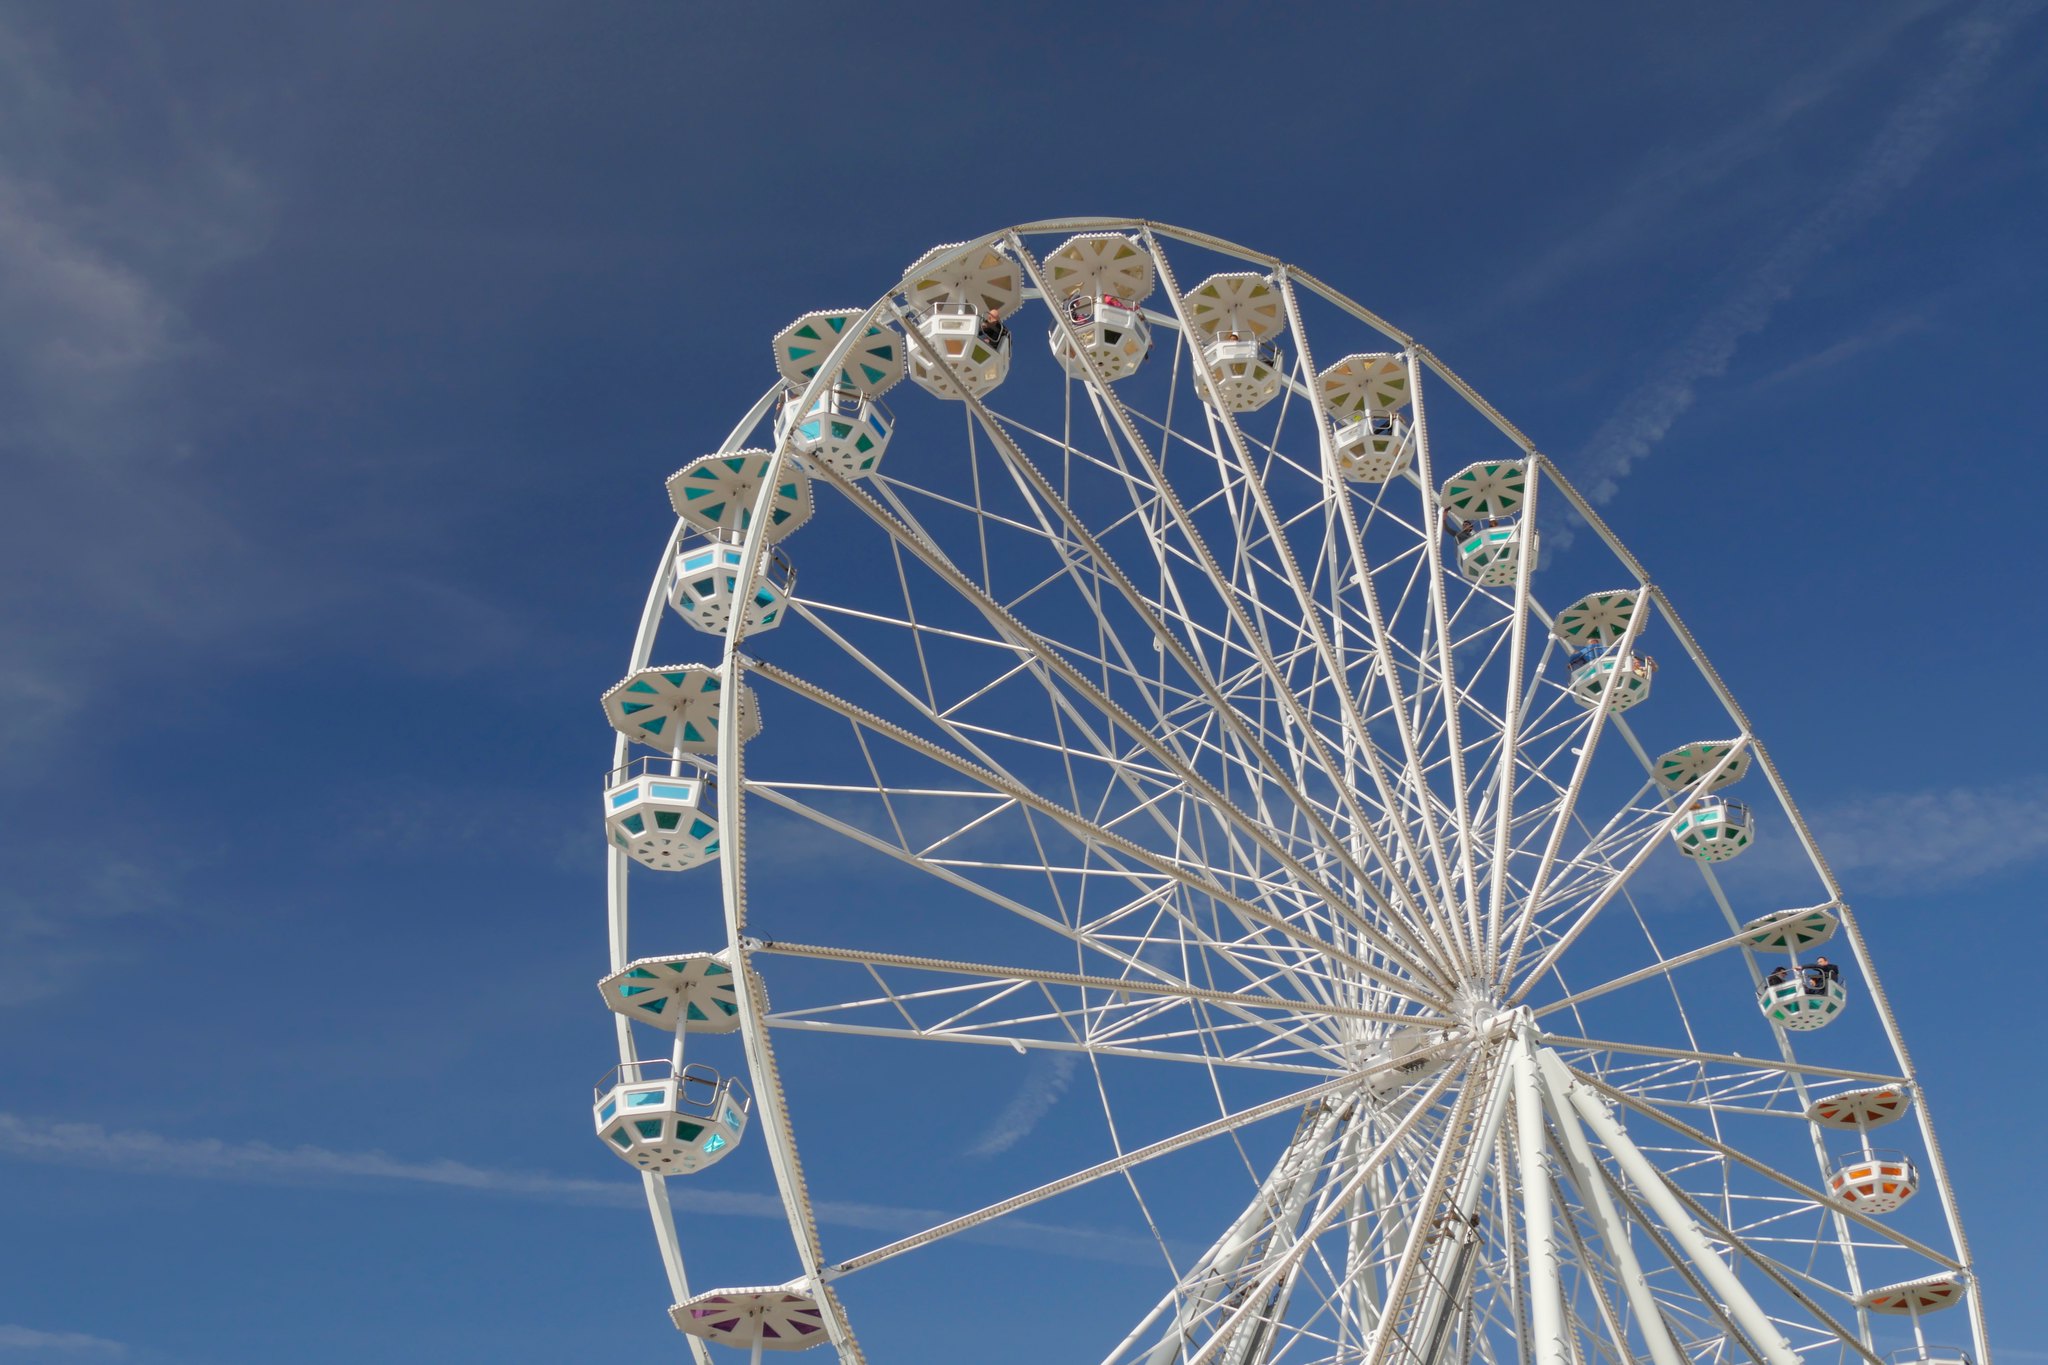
[(44, 928), (1050, 1076), (1677, 176), (1875, 336), (99, 240), (1893, 159), (138, 1152), (1913, 839), (1886, 843), (13, 1338)]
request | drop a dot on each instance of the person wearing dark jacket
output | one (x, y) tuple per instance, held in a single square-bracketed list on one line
[(1819, 972)]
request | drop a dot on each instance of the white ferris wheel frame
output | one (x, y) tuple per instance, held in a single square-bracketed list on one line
[(1533, 1082)]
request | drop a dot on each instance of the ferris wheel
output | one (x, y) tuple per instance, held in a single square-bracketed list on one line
[(1186, 699)]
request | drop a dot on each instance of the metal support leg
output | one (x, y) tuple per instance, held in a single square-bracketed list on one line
[(1546, 1293), (1613, 1231), (1678, 1223)]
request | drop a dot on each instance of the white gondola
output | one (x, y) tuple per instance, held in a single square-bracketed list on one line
[(1237, 319), (1364, 395), (960, 300), (1112, 333), (1243, 375), (1592, 670), (1100, 280), (661, 816), (846, 427), (1490, 551), (1875, 1180), (1714, 829), (671, 1121), (704, 584), (843, 430), (1869, 1178), (1374, 448), (1480, 505), (975, 348), (1800, 1003)]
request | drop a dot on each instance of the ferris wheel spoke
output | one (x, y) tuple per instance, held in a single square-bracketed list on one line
[(1258, 965), (1503, 767), (1393, 657), (1304, 606), (1262, 974), (1600, 902), (1661, 968), (1446, 672), (1266, 769), (981, 1009), (1252, 638), (1461, 1153), (1357, 731), (1203, 882), (1600, 867), (1254, 959), (1227, 1124), (1280, 1197), (1058, 665), (1687, 1268), (1127, 986), (1388, 670), (1568, 803), (1711, 1086), (1340, 1210), (1784, 1277), (952, 726), (1022, 1044)]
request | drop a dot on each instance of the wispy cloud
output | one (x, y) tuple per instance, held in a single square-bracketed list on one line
[(46, 929), (97, 251), (135, 1151), (1913, 839), (140, 516), (99, 247), (1677, 176), (1051, 1074), (1873, 337), (1892, 160), (1888, 843), (13, 1338)]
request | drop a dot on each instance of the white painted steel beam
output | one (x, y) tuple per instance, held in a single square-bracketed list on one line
[(1677, 1223), (1547, 1345)]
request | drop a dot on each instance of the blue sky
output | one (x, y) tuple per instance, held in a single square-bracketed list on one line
[(342, 352)]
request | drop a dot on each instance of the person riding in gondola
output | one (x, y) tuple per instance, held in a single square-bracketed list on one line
[(993, 331)]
